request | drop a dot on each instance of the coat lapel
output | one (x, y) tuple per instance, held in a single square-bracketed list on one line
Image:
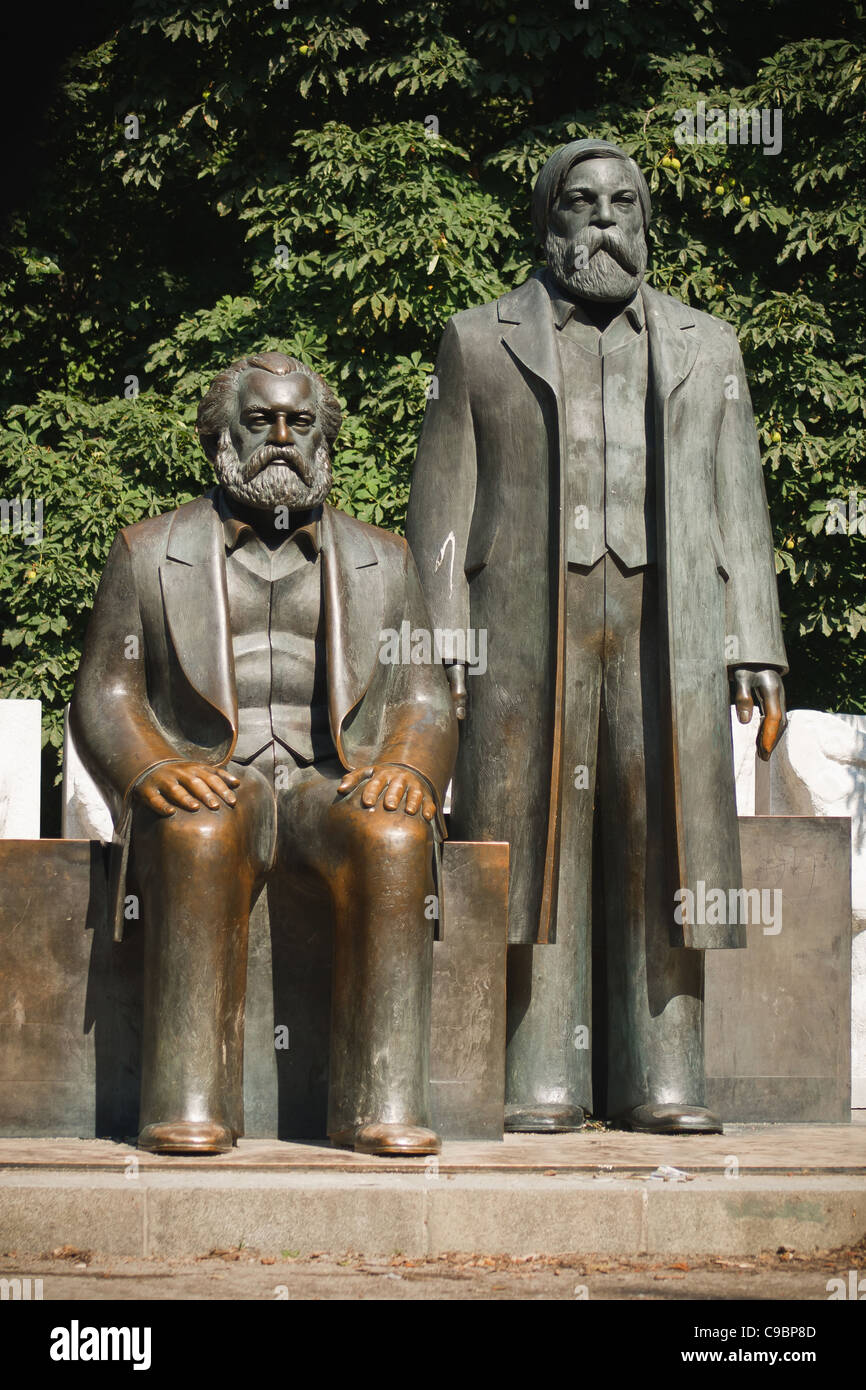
[(673, 348), (531, 339), (354, 607), (193, 579)]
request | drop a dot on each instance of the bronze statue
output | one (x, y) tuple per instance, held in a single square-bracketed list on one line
[(588, 491), (234, 704)]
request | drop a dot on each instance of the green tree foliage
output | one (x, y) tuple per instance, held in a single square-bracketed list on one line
[(337, 180)]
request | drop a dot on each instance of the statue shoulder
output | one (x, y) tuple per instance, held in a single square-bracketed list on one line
[(349, 530), (153, 528), (714, 331)]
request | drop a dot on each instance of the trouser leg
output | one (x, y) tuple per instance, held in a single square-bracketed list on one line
[(655, 991), (198, 874), (549, 1059), (377, 868)]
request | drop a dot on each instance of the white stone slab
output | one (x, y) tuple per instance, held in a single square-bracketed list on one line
[(819, 769), (20, 769), (744, 737), (85, 811)]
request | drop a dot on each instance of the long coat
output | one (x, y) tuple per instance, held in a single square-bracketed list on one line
[(486, 524), (156, 682)]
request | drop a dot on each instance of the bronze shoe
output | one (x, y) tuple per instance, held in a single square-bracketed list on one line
[(543, 1119), (186, 1137), (670, 1119), (396, 1140), (343, 1139)]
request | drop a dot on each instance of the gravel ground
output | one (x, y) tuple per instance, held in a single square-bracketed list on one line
[(70, 1274)]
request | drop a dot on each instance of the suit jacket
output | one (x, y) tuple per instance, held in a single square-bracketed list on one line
[(485, 525), (156, 680)]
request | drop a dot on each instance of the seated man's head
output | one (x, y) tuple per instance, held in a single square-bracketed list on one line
[(267, 424), (591, 209)]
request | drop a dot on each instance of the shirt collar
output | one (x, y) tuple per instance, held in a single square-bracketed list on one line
[(565, 308), (237, 531)]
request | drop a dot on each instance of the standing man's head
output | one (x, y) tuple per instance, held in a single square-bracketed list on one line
[(590, 209), (267, 424)]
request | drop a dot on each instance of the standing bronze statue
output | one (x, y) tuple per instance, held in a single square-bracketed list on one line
[(588, 489), (233, 703)]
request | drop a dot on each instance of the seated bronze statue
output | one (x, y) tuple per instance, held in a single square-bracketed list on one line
[(234, 703)]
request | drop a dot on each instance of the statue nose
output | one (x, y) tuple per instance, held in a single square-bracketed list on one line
[(279, 432)]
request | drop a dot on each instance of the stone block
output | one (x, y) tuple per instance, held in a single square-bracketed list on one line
[(86, 814), (20, 769), (778, 1013)]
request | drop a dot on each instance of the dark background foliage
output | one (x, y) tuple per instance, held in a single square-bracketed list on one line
[(337, 180)]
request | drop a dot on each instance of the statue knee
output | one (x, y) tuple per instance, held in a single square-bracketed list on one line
[(389, 833), (240, 835)]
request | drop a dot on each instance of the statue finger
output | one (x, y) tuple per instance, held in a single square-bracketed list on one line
[(428, 810), (375, 788), (156, 802), (743, 698), (768, 735), (200, 789), (414, 800), (395, 793), (773, 722), (216, 783), (177, 793), (351, 779)]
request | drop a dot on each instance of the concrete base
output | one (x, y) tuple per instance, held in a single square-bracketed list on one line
[(754, 1188)]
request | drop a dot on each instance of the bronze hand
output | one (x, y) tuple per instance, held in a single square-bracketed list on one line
[(186, 785), (396, 782), (765, 686)]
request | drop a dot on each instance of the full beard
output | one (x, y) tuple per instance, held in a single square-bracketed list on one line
[(615, 267), (266, 484)]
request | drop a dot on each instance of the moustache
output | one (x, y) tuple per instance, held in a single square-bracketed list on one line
[(618, 246), (285, 454)]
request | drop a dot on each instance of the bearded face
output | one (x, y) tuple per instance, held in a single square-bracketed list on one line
[(596, 242), (274, 475), (598, 263), (272, 451)]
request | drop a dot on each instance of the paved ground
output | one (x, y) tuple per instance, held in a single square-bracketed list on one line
[(791, 1149), (97, 1220), (77, 1275)]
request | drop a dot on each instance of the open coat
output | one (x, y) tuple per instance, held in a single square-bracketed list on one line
[(486, 528), (156, 682)]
